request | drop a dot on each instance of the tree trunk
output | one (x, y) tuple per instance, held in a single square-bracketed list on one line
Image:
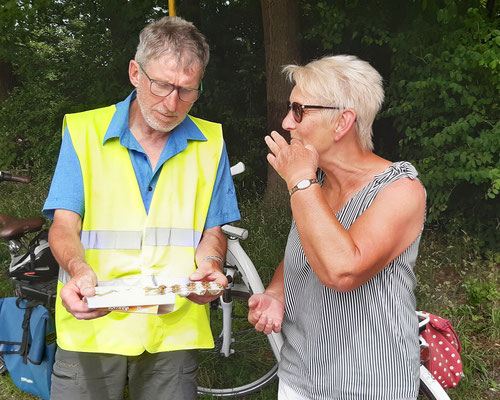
[(281, 28), (6, 80), (490, 6)]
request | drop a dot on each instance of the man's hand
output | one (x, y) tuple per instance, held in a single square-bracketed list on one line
[(212, 246), (81, 285), (208, 270), (64, 239), (266, 313)]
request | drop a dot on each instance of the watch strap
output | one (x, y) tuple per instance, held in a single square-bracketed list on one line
[(296, 187)]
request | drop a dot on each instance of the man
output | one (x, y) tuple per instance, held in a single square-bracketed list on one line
[(140, 188)]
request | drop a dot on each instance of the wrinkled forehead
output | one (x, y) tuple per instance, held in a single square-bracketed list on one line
[(185, 60), (172, 69)]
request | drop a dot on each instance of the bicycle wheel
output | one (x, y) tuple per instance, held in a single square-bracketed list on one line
[(252, 365), (429, 387)]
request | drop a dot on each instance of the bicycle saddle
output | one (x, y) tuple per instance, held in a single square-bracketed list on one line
[(13, 228), (5, 219)]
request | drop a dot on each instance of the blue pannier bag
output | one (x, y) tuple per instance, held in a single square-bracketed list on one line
[(27, 344)]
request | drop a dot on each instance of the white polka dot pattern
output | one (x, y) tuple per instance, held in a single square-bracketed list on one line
[(444, 363)]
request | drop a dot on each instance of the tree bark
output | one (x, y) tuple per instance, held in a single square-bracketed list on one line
[(281, 28), (6, 80), (490, 6)]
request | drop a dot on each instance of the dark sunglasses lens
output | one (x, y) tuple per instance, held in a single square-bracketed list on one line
[(297, 112)]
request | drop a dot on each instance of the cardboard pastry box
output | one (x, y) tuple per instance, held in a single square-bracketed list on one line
[(151, 294)]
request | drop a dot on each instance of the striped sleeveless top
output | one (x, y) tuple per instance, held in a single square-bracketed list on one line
[(353, 345)]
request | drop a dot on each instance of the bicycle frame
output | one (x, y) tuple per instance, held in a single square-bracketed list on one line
[(237, 259), (237, 342)]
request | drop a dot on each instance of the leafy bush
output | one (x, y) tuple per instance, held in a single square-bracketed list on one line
[(443, 96), (441, 61)]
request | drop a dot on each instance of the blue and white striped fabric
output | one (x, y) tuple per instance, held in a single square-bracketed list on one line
[(353, 345)]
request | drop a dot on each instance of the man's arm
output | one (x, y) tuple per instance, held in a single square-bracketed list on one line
[(64, 240), (211, 250)]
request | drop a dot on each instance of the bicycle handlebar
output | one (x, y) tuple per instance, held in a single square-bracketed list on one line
[(237, 169), (6, 176)]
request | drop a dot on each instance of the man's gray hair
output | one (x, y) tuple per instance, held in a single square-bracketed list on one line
[(343, 81), (175, 37)]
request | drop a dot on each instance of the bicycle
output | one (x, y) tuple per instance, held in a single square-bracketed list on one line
[(32, 268), (243, 360)]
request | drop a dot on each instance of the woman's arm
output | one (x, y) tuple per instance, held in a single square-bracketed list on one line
[(345, 259)]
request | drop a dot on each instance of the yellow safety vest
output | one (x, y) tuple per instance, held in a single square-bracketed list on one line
[(121, 240)]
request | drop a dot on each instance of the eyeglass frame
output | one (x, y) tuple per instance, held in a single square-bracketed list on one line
[(298, 117), (174, 87)]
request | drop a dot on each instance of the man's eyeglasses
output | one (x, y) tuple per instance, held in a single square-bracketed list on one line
[(298, 109), (163, 89)]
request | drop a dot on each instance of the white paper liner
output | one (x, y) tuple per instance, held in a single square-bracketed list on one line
[(147, 291)]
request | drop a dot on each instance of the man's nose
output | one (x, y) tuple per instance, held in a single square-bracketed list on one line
[(172, 100)]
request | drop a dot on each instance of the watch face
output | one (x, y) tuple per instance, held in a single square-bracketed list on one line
[(303, 184)]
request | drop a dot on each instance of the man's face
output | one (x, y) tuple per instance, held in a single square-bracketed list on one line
[(163, 113)]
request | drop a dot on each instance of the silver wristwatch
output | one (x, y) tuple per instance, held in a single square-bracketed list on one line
[(303, 184)]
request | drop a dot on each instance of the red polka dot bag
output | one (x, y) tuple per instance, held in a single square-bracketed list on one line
[(444, 361)]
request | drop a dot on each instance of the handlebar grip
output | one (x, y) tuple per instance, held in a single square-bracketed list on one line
[(235, 231), (5, 176), (237, 168)]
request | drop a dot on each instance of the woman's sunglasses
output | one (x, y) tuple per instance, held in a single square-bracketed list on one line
[(298, 110)]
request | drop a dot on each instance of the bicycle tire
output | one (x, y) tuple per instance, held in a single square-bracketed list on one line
[(251, 367), (429, 387), (3, 367)]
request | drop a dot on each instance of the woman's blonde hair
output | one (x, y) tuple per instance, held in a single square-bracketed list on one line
[(346, 82), (176, 37)]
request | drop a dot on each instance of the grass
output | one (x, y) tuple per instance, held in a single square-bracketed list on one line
[(456, 281)]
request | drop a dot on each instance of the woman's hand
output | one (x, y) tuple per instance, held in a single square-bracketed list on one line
[(293, 161), (266, 313)]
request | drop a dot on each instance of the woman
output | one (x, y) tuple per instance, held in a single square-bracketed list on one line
[(343, 294)]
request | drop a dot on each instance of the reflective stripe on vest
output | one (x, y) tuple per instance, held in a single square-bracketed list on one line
[(128, 240), (121, 240)]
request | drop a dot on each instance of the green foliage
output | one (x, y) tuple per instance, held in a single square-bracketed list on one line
[(443, 96), (234, 82), (73, 55), (441, 60), (454, 281), (67, 56)]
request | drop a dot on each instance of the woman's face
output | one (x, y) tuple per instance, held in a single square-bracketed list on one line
[(314, 129)]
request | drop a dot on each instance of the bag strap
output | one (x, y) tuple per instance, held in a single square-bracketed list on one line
[(25, 346), (446, 329)]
